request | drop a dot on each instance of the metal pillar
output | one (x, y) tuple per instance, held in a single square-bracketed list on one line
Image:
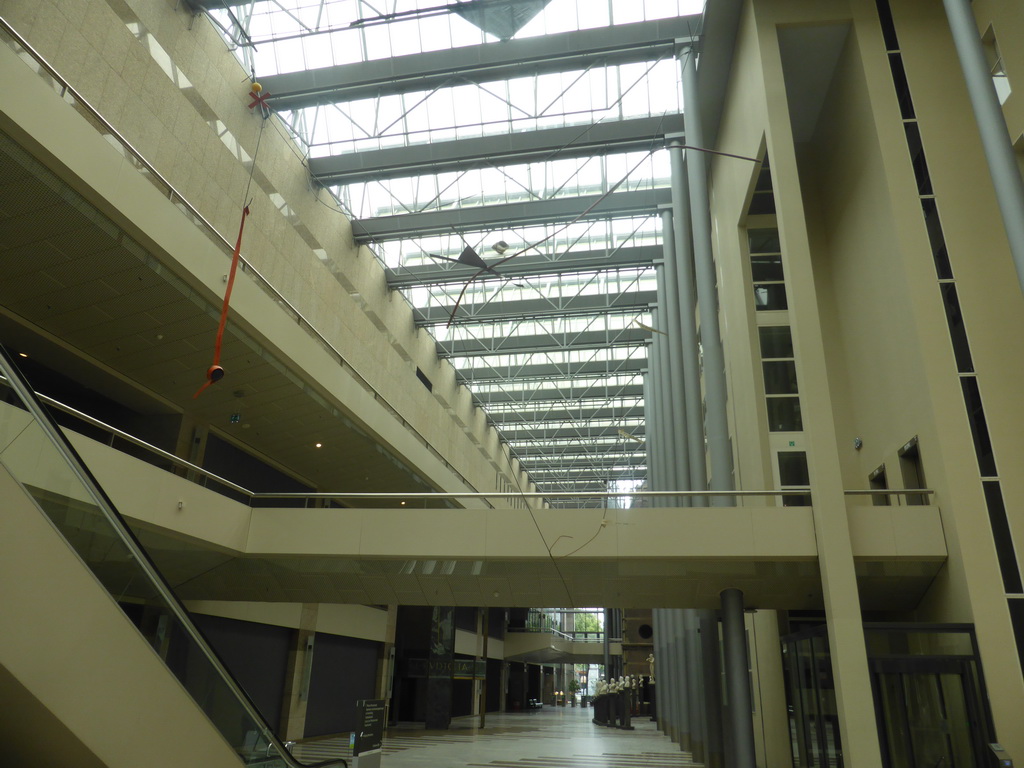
[(737, 679), (715, 393), (683, 698), (688, 322), (995, 138), (607, 645), (714, 743), (659, 668), (694, 692), (668, 286), (663, 405), (651, 420)]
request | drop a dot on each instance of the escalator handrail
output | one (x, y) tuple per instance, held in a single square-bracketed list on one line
[(53, 433)]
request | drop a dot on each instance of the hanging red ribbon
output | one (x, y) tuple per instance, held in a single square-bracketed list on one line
[(215, 373)]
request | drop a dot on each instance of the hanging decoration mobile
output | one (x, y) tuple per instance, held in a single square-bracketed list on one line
[(215, 372)]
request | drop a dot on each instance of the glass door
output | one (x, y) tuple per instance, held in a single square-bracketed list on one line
[(928, 713)]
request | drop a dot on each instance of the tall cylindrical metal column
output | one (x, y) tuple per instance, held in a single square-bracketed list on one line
[(651, 421), (694, 691), (663, 404), (688, 322), (995, 138), (715, 392), (607, 644), (672, 675), (737, 678), (660, 689), (679, 475), (683, 697), (713, 741)]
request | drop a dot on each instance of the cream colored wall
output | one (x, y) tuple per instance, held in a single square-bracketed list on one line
[(167, 82), (77, 653), (888, 372)]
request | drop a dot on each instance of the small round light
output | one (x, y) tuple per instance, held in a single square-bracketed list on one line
[(319, 445)]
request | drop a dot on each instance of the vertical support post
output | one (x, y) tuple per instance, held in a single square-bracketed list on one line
[(696, 451), (668, 300), (607, 644), (995, 138), (714, 742), (293, 709), (684, 681), (695, 676), (715, 392), (737, 678), (439, 668)]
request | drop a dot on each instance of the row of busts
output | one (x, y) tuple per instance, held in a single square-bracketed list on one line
[(617, 684)]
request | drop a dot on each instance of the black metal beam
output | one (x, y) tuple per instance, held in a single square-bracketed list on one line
[(546, 371), (607, 138), (562, 433), (501, 217), (490, 62), (543, 343), (593, 412), (529, 264), (556, 395), (504, 311)]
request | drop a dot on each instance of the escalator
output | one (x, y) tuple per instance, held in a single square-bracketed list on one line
[(100, 664)]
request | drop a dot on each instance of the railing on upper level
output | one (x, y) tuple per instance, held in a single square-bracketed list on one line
[(45, 70), (121, 440)]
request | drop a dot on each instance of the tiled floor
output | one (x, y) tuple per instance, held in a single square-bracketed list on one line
[(552, 737)]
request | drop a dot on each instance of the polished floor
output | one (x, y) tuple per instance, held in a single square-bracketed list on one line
[(553, 737)]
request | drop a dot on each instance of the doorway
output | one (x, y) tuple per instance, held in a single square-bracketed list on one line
[(929, 712)]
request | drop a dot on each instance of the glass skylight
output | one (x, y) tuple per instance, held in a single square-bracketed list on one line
[(538, 326)]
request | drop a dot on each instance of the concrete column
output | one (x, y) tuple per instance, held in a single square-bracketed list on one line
[(296, 687), (386, 659), (668, 299), (737, 679), (995, 138), (670, 678), (715, 392), (688, 320), (439, 672), (714, 741)]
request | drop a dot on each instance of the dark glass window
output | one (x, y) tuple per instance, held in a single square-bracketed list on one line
[(766, 268), (892, 43), (770, 296), (780, 377), (764, 240), (1001, 534), (1017, 620), (762, 203), (939, 252), (776, 341), (979, 426), (957, 332), (924, 180), (899, 79), (793, 469), (784, 414)]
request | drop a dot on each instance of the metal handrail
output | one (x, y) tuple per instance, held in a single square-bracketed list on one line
[(63, 447), (177, 198)]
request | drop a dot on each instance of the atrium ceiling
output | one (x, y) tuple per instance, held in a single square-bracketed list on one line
[(506, 161)]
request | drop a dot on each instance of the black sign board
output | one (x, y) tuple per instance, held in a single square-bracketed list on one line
[(370, 735)]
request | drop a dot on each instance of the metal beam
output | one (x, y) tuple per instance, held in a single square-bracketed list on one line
[(520, 147), (562, 433), (490, 62), (558, 395), (542, 343), (529, 264), (609, 413), (502, 217), (637, 364), (503, 311)]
